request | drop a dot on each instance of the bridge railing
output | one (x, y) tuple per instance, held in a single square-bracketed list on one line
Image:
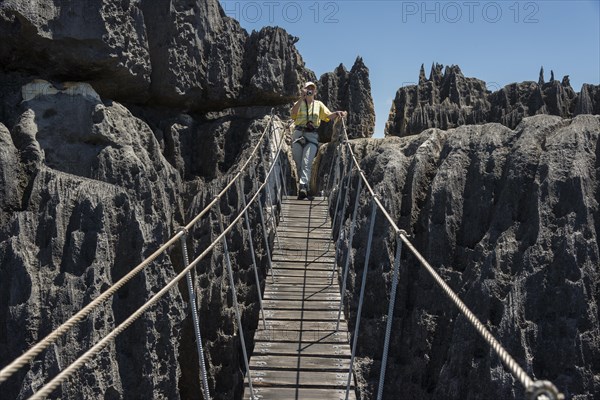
[(272, 138), (344, 168)]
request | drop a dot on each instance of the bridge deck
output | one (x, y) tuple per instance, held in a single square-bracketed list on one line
[(300, 355)]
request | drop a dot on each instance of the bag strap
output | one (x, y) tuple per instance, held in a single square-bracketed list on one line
[(309, 116)]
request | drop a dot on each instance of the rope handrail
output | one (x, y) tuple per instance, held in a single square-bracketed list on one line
[(540, 389), (235, 177), (67, 372), (49, 339)]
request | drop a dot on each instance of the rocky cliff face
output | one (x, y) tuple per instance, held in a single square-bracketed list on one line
[(448, 99), (186, 55), (95, 175), (91, 196), (88, 195), (509, 218), (350, 91)]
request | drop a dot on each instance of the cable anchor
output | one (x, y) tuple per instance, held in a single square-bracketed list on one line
[(543, 390)]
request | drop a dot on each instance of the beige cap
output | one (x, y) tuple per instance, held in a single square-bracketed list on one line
[(307, 84)]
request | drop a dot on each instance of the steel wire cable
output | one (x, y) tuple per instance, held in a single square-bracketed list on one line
[(87, 356), (535, 389), (49, 339)]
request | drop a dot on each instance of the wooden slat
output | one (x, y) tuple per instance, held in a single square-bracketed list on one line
[(321, 326), (301, 263), (297, 287), (300, 245), (321, 245), (300, 292), (338, 350), (304, 229), (282, 235), (300, 354), (309, 222), (296, 292), (304, 379), (279, 281), (308, 216), (315, 200), (302, 280), (293, 210), (304, 260), (312, 232), (303, 363), (316, 269), (301, 305), (322, 273), (310, 297), (305, 315), (300, 215), (296, 266), (272, 335), (300, 393)]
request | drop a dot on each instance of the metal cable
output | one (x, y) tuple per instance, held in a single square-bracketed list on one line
[(30, 354), (283, 183), (531, 386), (265, 235), (335, 213), (82, 360), (390, 317), (363, 284), (331, 182), (521, 375), (283, 187), (345, 185), (270, 205), (194, 311), (337, 203), (336, 161), (251, 244), (349, 252), (236, 307), (236, 176)]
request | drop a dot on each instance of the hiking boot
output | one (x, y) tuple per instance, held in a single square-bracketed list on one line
[(302, 194)]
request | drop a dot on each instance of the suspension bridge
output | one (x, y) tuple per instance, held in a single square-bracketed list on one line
[(303, 349)]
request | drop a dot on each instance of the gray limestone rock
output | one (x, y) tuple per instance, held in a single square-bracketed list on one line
[(10, 174), (273, 68), (91, 186), (88, 196), (448, 100), (218, 321), (186, 55), (98, 41), (349, 91), (588, 101), (96, 196), (444, 101), (196, 53), (509, 219)]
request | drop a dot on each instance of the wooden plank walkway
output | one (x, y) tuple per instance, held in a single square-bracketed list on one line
[(300, 355)]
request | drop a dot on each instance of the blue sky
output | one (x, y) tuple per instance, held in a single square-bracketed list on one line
[(499, 42)]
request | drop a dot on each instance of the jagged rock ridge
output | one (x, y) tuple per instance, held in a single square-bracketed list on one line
[(90, 195), (95, 175), (95, 195), (186, 55), (350, 91), (448, 99), (509, 218)]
